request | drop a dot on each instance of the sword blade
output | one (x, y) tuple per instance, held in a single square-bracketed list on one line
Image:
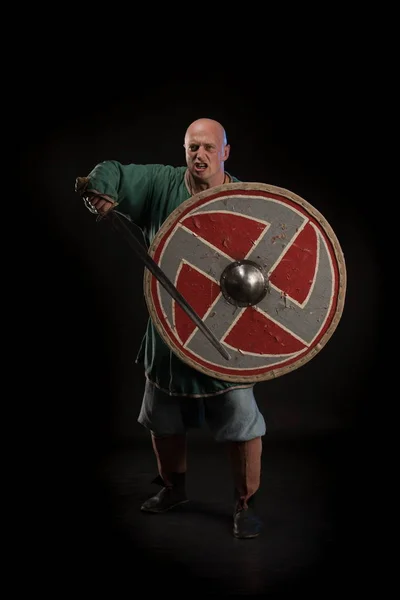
[(152, 266)]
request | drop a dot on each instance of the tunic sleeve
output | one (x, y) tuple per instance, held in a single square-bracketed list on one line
[(131, 186)]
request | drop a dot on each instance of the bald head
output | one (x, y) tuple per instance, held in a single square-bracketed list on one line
[(206, 152), (206, 127)]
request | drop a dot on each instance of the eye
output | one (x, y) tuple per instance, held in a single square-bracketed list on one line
[(193, 147)]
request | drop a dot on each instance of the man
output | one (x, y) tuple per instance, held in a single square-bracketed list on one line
[(176, 396)]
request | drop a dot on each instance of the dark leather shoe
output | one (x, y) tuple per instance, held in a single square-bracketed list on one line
[(167, 497), (246, 523)]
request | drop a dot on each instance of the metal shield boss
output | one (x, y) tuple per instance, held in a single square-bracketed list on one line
[(262, 269)]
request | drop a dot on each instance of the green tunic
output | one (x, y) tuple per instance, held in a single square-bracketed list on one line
[(148, 194)]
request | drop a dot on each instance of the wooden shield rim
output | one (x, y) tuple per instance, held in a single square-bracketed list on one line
[(341, 266)]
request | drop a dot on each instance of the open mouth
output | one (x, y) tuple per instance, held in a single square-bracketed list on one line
[(199, 167)]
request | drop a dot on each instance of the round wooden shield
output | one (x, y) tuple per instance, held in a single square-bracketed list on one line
[(262, 269)]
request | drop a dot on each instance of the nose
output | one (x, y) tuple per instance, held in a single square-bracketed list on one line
[(200, 153)]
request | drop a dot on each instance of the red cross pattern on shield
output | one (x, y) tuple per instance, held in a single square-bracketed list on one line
[(262, 269)]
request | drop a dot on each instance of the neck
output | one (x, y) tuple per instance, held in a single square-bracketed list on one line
[(195, 186)]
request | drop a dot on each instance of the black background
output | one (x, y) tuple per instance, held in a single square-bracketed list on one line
[(304, 131)]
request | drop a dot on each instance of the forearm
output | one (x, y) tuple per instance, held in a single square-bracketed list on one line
[(128, 186)]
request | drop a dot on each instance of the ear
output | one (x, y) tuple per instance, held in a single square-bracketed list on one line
[(226, 153)]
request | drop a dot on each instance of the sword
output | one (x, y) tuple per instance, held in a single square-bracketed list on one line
[(121, 227)]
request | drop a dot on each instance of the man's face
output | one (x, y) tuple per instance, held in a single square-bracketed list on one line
[(205, 152)]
